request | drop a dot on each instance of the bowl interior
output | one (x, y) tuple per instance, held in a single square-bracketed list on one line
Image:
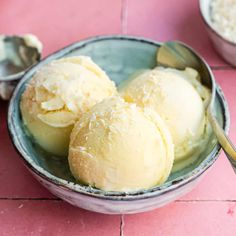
[(120, 58)]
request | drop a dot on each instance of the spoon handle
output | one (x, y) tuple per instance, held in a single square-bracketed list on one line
[(232, 162), (224, 141)]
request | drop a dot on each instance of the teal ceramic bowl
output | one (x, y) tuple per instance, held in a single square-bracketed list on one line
[(120, 57)]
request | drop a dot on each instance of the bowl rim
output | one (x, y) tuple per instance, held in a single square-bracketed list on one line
[(89, 191), (208, 25)]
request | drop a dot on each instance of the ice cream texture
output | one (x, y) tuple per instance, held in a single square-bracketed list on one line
[(179, 98), (57, 96), (118, 146)]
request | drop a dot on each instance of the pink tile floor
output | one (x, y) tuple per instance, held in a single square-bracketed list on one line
[(26, 208)]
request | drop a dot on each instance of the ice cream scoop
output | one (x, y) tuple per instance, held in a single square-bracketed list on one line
[(117, 146), (57, 96), (179, 103), (178, 55)]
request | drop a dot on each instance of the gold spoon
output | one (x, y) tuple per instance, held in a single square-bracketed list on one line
[(179, 56)]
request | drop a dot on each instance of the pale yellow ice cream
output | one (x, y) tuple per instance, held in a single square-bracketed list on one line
[(57, 96), (118, 146), (179, 98)]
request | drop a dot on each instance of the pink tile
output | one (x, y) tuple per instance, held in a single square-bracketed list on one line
[(184, 218), (170, 20), (217, 184), (57, 22), (53, 218)]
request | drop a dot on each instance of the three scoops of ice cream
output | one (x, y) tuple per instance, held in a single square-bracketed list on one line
[(121, 140)]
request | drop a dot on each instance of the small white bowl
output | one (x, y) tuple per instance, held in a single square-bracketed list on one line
[(224, 47)]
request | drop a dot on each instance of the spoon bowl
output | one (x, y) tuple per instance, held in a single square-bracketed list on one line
[(17, 54)]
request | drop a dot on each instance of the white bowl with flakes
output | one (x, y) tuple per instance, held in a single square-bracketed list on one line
[(224, 46)]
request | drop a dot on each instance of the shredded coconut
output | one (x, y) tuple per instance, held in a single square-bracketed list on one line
[(223, 17)]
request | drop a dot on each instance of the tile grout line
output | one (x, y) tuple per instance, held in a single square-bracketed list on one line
[(205, 200), (222, 68), (122, 224), (28, 199), (124, 14)]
